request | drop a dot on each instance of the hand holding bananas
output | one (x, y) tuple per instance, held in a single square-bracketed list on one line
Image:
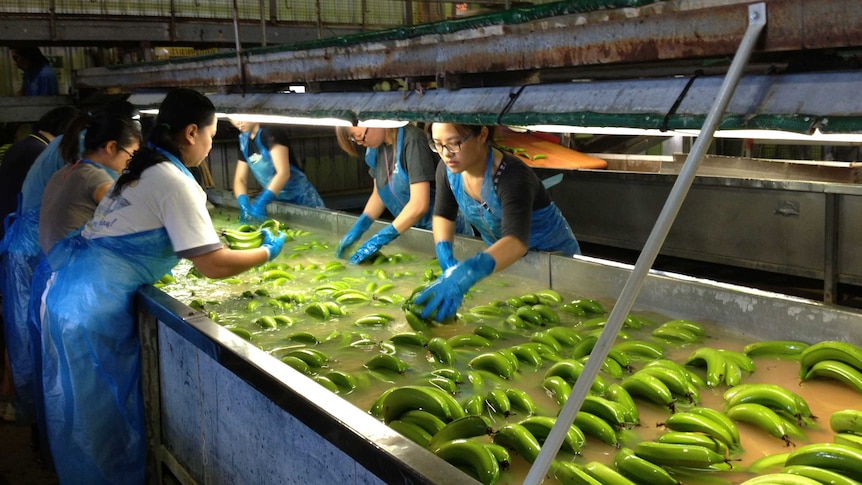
[(359, 227), (272, 243), (374, 243), (258, 210), (244, 208), (445, 295), (444, 255)]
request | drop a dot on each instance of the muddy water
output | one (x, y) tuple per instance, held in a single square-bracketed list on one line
[(305, 257)]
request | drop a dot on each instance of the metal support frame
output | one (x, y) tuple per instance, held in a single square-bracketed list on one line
[(756, 23), (830, 249)]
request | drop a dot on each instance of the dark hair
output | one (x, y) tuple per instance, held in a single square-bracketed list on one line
[(180, 108), (31, 53), (57, 120), (111, 123), (464, 130)]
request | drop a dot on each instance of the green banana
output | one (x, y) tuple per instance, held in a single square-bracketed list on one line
[(460, 428), (373, 320), (540, 428), (344, 380), (765, 419), (694, 438), (549, 297), (413, 339), (618, 394), (781, 478), (326, 382), (714, 362), (849, 439), (692, 327), (596, 427), (640, 348), (650, 388), (297, 364), (568, 473), (402, 399), (494, 362), (609, 366), (557, 388), (739, 358), (677, 382), (775, 348), (772, 396), (614, 413), (570, 370), (441, 350), (516, 437), (567, 336), (488, 332), (821, 475), (584, 347), (527, 355), (836, 370), (387, 362), (474, 405), (589, 306), (521, 401), (844, 459), (312, 357), (468, 340), (427, 421), (640, 470), (504, 458), (844, 352), (606, 474), (411, 431), (496, 401), (450, 373), (573, 309), (473, 457), (675, 455), (769, 463), (720, 418), (688, 421), (846, 421)]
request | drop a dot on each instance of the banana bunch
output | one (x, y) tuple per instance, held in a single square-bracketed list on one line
[(835, 360), (482, 461), (662, 382), (784, 349), (766, 419), (779, 399), (679, 332), (709, 422), (396, 401), (815, 464), (722, 366), (847, 426), (244, 237)]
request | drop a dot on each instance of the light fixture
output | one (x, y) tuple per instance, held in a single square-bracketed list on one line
[(816, 138), (296, 120)]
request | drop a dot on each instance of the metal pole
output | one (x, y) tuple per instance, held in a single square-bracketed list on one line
[(756, 22), (239, 66), (263, 23)]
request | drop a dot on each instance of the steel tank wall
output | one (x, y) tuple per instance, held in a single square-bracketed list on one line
[(220, 410)]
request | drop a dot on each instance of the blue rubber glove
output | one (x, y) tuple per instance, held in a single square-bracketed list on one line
[(258, 210), (374, 243), (444, 255), (359, 227), (272, 243), (445, 295), (244, 208)]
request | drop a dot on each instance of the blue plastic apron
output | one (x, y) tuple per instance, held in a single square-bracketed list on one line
[(34, 327), (396, 193), (91, 353), (298, 190), (549, 231)]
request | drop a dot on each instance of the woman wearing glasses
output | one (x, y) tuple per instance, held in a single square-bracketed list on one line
[(73, 193), (266, 154), (501, 197), (403, 169)]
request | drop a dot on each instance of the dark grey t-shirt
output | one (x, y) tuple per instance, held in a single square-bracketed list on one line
[(68, 201), (418, 160)]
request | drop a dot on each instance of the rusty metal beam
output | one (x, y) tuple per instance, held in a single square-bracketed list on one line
[(649, 34), (121, 30)]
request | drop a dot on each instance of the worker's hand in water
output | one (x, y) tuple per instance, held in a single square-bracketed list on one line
[(359, 227), (258, 210), (445, 295), (272, 242), (444, 255), (244, 208), (374, 243)]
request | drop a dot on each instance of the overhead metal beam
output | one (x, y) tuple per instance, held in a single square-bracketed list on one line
[(653, 33), (124, 30)]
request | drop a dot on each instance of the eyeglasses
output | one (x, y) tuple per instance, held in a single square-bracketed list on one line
[(130, 154), (452, 147), (354, 139)]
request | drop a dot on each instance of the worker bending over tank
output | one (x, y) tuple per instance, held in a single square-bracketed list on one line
[(154, 214), (403, 168), (501, 197), (265, 152)]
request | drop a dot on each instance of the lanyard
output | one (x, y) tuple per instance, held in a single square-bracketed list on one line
[(173, 160)]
